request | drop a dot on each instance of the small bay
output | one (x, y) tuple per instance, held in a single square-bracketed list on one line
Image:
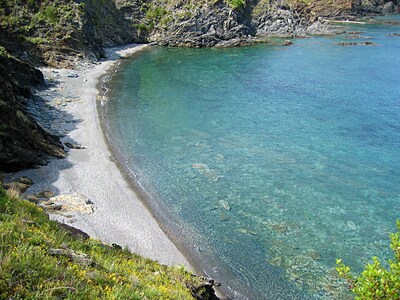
[(272, 161)]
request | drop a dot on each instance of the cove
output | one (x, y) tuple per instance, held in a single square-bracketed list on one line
[(267, 162)]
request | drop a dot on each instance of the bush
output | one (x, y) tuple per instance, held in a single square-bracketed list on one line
[(237, 4), (50, 14), (376, 282)]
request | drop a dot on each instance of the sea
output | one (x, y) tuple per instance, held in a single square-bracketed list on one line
[(266, 163)]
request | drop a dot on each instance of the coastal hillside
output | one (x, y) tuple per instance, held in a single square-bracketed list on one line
[(239, 22), (42, 259), (60, 33)]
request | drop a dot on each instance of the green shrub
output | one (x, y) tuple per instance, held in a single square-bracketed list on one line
[(4, 52), (50, 14), (376, 282), (236, 4), (155, 13), (30, 3)]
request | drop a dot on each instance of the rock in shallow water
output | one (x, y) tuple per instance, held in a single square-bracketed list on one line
[(279, 228), (225, 204), (351, 225)]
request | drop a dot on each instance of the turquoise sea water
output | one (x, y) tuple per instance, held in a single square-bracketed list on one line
[(272, 161)]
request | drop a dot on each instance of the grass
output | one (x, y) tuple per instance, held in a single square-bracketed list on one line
[(236, 4), (30, 270)]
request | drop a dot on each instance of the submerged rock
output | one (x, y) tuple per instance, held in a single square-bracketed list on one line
[(365, 43), (287, 43), (351, 225), (225, 204), (206, 171), (224, 217), (279, 228), (247, 231), (314, 255)]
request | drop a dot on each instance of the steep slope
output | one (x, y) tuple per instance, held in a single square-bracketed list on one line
[(61, 32), (23, 143)]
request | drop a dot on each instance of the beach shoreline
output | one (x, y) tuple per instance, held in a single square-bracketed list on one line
[(119, 217)]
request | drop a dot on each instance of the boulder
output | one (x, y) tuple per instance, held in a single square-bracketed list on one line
[(71, 203), (45, 194), (388, 7), (17, 186)]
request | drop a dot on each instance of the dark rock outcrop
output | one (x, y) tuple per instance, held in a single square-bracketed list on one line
[(23, 143), (63, 33), (216, 23)]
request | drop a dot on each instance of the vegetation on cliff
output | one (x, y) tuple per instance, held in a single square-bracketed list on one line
[(376, 281), (60, 32), (41, 260)]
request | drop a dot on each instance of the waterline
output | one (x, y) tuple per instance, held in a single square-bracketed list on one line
[(275, 161)]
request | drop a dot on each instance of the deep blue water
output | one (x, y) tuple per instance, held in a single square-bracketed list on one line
[(274, 161)]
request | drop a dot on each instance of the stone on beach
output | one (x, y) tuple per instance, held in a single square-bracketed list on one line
[(21, 184), (74, 146), (45, 194), (73, 203), (72, 75)]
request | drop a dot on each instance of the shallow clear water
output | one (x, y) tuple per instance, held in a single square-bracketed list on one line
[(274, 161)]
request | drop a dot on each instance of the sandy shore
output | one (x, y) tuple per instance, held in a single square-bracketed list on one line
[(119, 216)]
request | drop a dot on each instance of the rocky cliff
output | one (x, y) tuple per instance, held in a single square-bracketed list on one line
[(202, 23), (23, 143), (65, 33), (61, 32)]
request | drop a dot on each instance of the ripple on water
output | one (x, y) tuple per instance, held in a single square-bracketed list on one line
[(278, 162)]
